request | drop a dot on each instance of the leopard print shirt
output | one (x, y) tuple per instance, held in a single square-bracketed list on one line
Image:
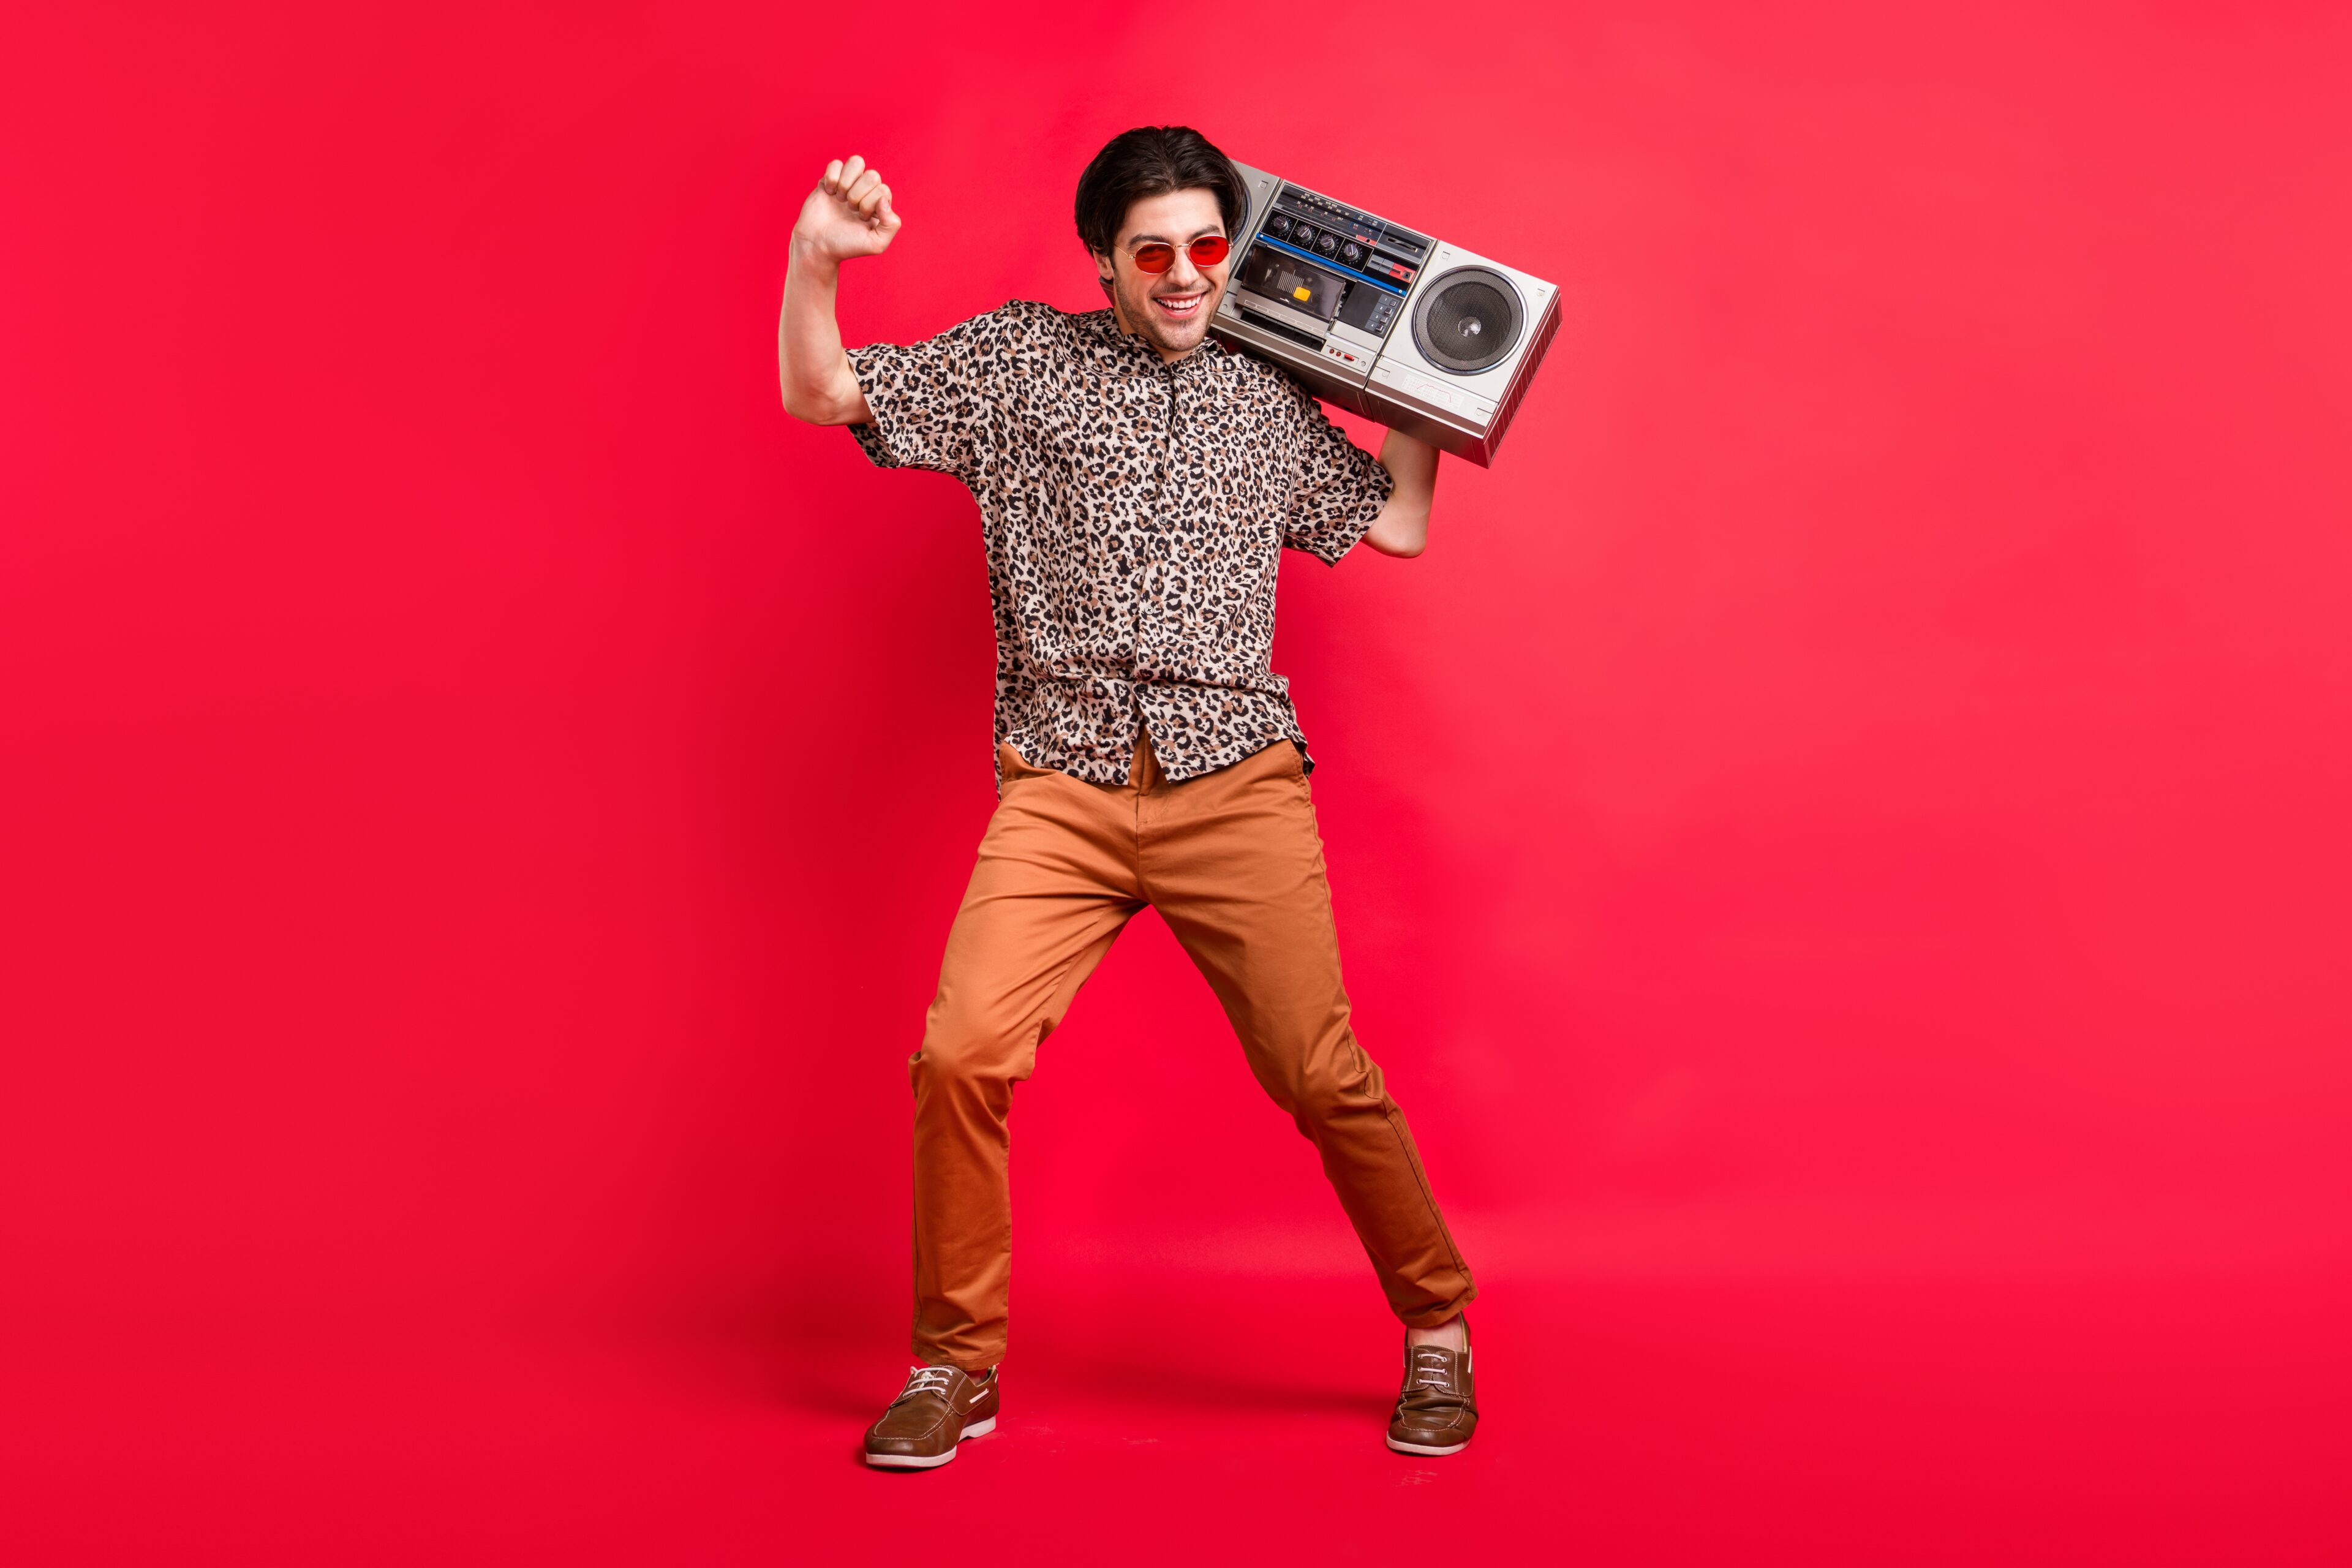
[(1134, 514)]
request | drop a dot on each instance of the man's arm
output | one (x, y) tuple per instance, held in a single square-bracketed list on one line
[(1402, 526), (847, 214)]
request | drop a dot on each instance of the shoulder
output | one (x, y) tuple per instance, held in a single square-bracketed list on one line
[(1028, 322), (1266, 388), (1022, 333), (1259, 378)]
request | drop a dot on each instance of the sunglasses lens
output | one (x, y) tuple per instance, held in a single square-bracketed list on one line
[(1154, 257), (1208, 252)]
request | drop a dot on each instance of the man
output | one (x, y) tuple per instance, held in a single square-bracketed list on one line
[(1136, 485)]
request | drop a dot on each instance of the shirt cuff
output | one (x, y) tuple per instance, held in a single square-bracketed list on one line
[(873, 376), (1343, 533)]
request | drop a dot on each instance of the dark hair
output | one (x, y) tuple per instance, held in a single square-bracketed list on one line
[(1152, 160)]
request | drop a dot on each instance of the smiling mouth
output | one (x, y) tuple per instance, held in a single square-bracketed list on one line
[(1180, 307)]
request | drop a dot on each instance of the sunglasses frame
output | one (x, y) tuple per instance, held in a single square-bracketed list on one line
[(1224, 243)]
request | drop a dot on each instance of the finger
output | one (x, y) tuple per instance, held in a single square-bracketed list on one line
[(831, 184), (860, 195), (882, 213), (850, 172)]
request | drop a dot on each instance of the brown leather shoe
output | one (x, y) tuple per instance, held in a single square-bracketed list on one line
[(940, 1407), (1437, 1409)]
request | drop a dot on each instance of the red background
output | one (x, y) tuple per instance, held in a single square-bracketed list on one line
[(1840, 844)]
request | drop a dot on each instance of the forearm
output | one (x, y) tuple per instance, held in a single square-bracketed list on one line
[(819, 386), (1402, 526)]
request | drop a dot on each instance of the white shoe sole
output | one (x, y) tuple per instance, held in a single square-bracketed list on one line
[(930, 1462), (1427, 1448)]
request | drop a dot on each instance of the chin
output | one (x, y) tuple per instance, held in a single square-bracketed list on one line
[(1172, 332)]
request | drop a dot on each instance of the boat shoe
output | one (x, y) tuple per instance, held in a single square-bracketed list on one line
[(940, 1407), (1437, 1409)]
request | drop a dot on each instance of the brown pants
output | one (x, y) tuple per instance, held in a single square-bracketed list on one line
[(1233, 864)]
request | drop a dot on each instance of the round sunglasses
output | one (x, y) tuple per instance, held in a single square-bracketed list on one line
[(1157, 256)]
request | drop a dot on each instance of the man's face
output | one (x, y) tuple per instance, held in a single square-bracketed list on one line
[(1171, 310)]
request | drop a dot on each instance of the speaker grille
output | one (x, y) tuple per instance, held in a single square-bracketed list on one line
[(1469, 319)]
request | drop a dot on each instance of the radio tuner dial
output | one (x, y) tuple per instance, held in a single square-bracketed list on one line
[(1302, 237), (1278, 224), (1328, 244), (1353, 255)]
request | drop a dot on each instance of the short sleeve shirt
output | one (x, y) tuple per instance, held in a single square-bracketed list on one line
[(1134, 513)]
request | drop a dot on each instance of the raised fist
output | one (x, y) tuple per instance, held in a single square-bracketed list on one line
[(847, 214)]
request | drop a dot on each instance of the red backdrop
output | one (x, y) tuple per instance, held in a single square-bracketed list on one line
[(1840, 844)]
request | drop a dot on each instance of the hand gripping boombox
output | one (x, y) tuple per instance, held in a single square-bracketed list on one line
[(1409, 331)]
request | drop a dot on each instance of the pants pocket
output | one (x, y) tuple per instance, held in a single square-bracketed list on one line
[(1011, 765)]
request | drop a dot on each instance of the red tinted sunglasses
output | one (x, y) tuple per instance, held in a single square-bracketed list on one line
[(1156, 256)]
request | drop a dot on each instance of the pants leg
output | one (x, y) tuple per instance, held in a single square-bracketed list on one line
[(1233, 863), (1054, 884)]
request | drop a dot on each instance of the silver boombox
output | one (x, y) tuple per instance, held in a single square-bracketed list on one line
[(1409, 331)]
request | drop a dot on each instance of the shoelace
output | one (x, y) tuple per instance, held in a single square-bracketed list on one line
[(1432, 1385), (927, 1380)]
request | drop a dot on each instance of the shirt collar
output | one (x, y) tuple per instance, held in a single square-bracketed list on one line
[(1133, 348)]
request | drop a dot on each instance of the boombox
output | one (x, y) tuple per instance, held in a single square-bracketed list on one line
[(1409, 331)]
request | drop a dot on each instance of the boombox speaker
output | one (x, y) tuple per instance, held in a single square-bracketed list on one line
[(1404, 329)]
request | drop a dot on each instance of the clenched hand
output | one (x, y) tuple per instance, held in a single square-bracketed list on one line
[(847, 214)]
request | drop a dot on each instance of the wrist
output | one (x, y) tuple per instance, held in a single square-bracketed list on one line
[(809, 252)]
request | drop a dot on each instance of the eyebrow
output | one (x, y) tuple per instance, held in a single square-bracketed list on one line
[(1213, 229)]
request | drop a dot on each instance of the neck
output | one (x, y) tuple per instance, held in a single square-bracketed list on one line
[(1167, 355)]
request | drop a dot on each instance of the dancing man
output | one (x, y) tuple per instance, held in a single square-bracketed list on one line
[(1136, 485)]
